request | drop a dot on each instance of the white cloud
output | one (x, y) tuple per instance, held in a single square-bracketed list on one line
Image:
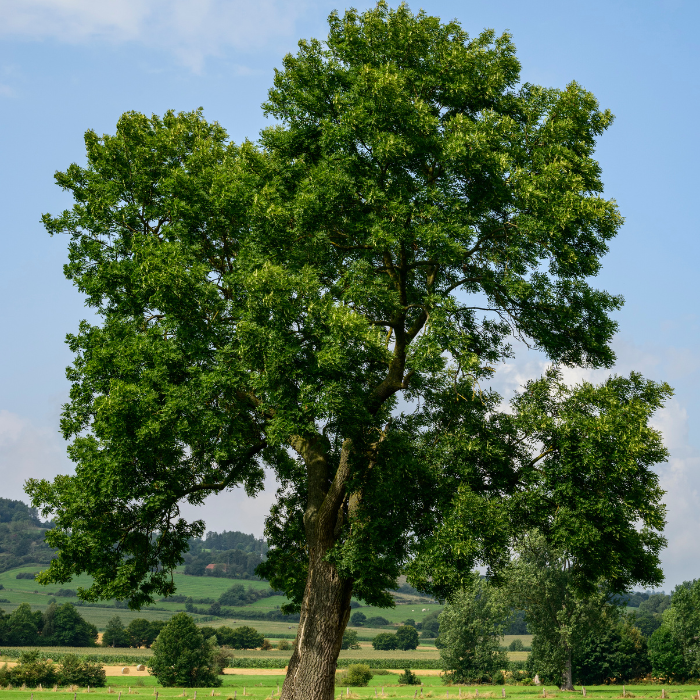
[(28, 452), (192, 30)]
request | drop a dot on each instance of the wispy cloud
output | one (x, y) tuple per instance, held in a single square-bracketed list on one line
[(191, 30)]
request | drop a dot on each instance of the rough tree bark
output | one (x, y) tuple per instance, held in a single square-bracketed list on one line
[(325, 609), (568, 680)]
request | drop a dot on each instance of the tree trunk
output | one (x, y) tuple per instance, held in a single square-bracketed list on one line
[(568, 673), (324, 615)]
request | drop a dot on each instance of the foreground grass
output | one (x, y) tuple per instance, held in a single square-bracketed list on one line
[(267, 687)]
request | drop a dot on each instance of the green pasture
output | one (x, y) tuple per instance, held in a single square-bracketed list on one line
[(266, 687)]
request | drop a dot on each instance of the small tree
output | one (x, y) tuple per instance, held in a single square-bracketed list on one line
[(141, 633), (357, 619), (22, 627), (516, 645), (384, 641), (182, 657), (350, 640), (471, 626), (76, 671), (408, 678), (115, 634), (406, 638), (377, 621), (358, 675)]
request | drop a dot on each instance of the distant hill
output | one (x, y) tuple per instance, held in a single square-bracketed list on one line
[(227, 555), (22, 536)]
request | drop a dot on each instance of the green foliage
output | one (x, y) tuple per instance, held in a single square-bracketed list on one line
[(115, 634), (74, 670), (350, 640), (22, 536), (516, 645), (31, 669), (64, 626), (273, 305), (674, 648), (182, 657), (377, 621), (666, 655), (617, 652), (142, 632), (358, 675), (22, 627), (358, 619), (408, 678), (406, 637), (243, 637), (385, 641), (471, 626)]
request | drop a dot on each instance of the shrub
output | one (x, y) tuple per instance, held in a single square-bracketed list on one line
[(266, 645), (243, 637), (76, 671), (384, 641), (516, 645), (406, 638), (350, 640), (357, 619), (32, 670), (410, 622), (26, 574), (66, 593), (408, 678), (377, 622), (358, 675), (182, 657), (284, 645)]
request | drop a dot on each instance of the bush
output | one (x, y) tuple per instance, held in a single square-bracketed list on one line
[(357, 619), (410, 622), (284, 645), (408, 678), (182, 657), (358, 675), (350, 640), (384, 641), (243, 637), (516, 645), (66, 593), (266, 645), (376, 622), (32, 670), (406, 638), (27, 574), (76, 671)]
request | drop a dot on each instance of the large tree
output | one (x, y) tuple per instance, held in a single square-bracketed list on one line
[(327, 303)]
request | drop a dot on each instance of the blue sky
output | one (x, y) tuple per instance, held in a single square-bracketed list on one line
[(71, 65)]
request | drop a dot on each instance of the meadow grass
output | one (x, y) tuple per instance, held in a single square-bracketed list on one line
[(265, 687)]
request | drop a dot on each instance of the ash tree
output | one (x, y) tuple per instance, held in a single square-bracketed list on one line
[(275, 304)]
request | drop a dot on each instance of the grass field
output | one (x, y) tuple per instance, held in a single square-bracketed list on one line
[(18, 591), (265, 687)]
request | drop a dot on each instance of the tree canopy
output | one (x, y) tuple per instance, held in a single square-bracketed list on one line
[(329, 303)]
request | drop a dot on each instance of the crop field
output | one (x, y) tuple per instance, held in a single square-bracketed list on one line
[(266, 687)]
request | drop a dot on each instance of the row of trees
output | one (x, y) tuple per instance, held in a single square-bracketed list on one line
[(139, 633), (578, 638), (58, 625)]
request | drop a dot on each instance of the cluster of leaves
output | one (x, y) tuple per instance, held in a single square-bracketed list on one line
[(139, 633), (33, 670), (243, 637), (182, 657), (405, 638), (58, 625), (356, 675), (674, 648)]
